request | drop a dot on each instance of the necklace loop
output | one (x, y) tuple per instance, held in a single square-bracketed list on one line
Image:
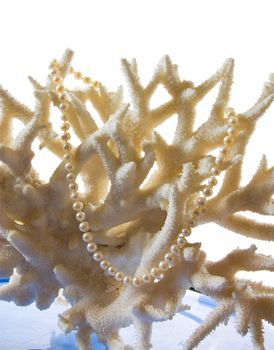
[(175, 249)]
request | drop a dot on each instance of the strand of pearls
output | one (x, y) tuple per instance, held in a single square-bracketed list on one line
[(169, 260)]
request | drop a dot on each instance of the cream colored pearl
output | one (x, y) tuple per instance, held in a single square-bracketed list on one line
[(92, 247), (215, 171), (65, 126), (84, 226), (70, 177), (223, 150), (78, 206), (64, 106), (18, 188), (65, 136), (87, 237), (233, 120), (63, 97), (80, 216), (87, 80), (73, 186), (54, 71), (175, 249), (56, 79), (98, 256), (111, 271), (67, 156), (146, 278), (191, 222), (181, 241), (69, 166), (163, 266), (74, 196), (207, 191), (60, 88), (186, 231), (104, 264), (136, 282), (196, 212), (127, 280), (155, 272), (227, 140), (212, 181), (201, 201), (67, 147), (230, 131), (219, 160), (119, 276), (78, 75)]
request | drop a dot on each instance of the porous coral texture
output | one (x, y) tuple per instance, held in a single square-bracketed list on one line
[(134, 213)]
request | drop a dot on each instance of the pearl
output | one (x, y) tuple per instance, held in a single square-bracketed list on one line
[(201, 201), (196, 212), (77, 75), (64, 106), (215, 171), (181, 241), (54, 71), (163, 266), (87, 237), (78, 206), (223, 150), (191, 222), (73, 186), (155, 272), (127, 280), (92, 247), (227, 140), (18, 188), (56, 79), (119, 276), (74, 196), (65, 126), (67, 156), (104, 264), (207, 191), (87, 80), (169, 257), (68, 166), (84, 226), (186, 232), (219, 160), (80, 216), (111, 271), (212, 181), (70, 177), (67, 147), (98, 256), (63, 97), (175, 249), (230, 131), (146, 278), (233, 120), (60, 88), (65, 136), (136, 281)]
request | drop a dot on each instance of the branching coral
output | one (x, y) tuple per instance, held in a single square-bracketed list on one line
[(134, 213)]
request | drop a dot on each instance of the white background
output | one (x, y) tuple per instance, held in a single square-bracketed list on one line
[(198, 35)]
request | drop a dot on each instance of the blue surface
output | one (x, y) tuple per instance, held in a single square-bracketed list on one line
[(27, 328)]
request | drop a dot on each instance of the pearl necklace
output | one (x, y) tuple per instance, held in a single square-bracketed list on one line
[(175, 250)]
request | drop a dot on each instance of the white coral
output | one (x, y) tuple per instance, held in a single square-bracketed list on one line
[(137, 218)]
